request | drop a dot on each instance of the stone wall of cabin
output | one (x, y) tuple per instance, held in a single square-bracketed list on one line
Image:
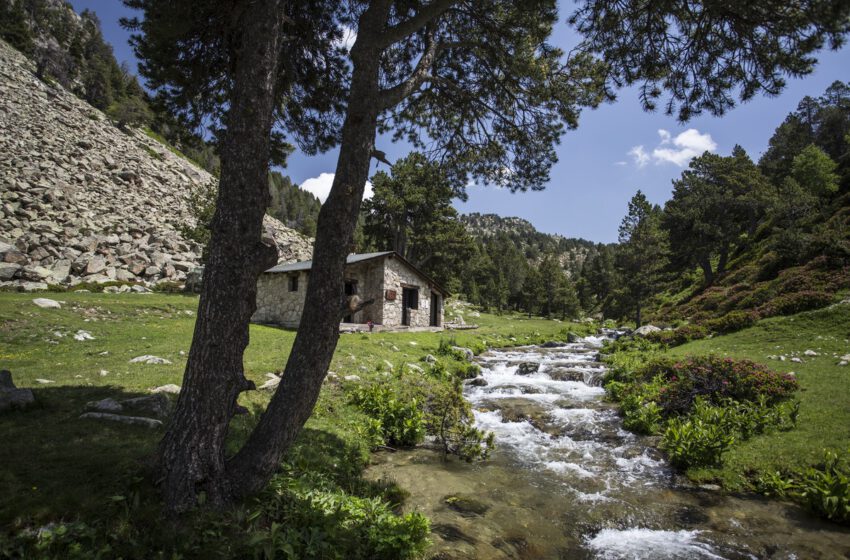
[(397, 276), (369, 276), (276, 305)]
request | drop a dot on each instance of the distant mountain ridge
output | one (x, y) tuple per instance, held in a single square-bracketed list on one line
[(571, 253)]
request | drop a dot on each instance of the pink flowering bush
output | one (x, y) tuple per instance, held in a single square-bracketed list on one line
[(716, 380)]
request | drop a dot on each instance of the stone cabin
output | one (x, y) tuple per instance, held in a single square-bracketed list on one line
[(404, 295)]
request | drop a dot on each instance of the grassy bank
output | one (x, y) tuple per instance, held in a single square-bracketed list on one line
[(824, 418), (58, 467), (747, 443)]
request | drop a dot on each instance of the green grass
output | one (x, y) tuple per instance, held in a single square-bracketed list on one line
[(58, 467), (824, 420)]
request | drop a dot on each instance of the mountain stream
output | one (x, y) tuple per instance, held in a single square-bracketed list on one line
[(567, 481)]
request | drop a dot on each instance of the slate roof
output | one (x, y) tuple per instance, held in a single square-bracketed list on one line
[(356, 258)]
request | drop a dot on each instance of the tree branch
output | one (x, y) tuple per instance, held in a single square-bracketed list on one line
[(391, 97), (425, 15), (347, 309)]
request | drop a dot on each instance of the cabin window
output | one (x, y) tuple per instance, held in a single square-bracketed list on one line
[(293, 283), (351, 287)]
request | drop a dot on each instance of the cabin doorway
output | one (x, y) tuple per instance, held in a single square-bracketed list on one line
[(436, 305), (409, 300)]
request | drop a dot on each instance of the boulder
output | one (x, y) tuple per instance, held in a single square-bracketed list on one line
[(157, 405), (553, 344), (430, 359), (527, 368), (573, 338), (467, 353), (8, 270), (646, 329), (46, 303), (565, 374), (171, 389), (477, 382), (109, 405), (272, 383)]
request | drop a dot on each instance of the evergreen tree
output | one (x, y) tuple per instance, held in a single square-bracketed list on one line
[(411, 212), (641, 257), (716, 203)]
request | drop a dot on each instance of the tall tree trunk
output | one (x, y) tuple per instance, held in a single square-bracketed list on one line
[(191, 454), (318, 333), (724, 258), (705, 264)]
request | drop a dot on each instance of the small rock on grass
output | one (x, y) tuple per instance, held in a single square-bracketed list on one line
[(149, 359), (46, 303), (83, 335), (171, 388), (272, 383), (44, 381)]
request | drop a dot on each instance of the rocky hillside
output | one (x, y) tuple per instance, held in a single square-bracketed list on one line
[(571, 253), (83, 201)]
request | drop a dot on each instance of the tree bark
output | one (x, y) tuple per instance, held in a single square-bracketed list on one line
[(318, 333), (724, 258), (705, 264), (191, 457)]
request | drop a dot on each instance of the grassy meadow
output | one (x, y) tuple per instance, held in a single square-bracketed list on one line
[(824, 419), (57, 466)]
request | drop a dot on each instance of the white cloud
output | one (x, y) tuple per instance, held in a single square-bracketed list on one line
[(621, 163), (686, 146), (640, 156), (321, 186)]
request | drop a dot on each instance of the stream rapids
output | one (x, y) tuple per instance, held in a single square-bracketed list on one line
[(567, 481)]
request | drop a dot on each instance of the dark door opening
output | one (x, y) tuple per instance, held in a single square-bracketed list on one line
[(435, 309), (409, 300), (350, 290)]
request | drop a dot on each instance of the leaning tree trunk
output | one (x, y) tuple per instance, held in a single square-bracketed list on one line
[(250, 469), (191, 455), (708, 274)]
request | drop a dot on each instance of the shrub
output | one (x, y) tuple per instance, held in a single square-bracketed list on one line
[(449, 418), (716, 379), (789, 304), (678, 336), (401, 420), (307, 516), (823, 488), (732, 322), (693, 442), (467, 370), (643, 419)]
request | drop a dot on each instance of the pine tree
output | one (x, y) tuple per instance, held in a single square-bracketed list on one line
[(641, 257)]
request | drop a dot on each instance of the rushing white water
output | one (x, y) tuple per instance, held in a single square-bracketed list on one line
[(644, 544), (554, 420)]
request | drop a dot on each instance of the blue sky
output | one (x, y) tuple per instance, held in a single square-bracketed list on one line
[(600, 165)]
